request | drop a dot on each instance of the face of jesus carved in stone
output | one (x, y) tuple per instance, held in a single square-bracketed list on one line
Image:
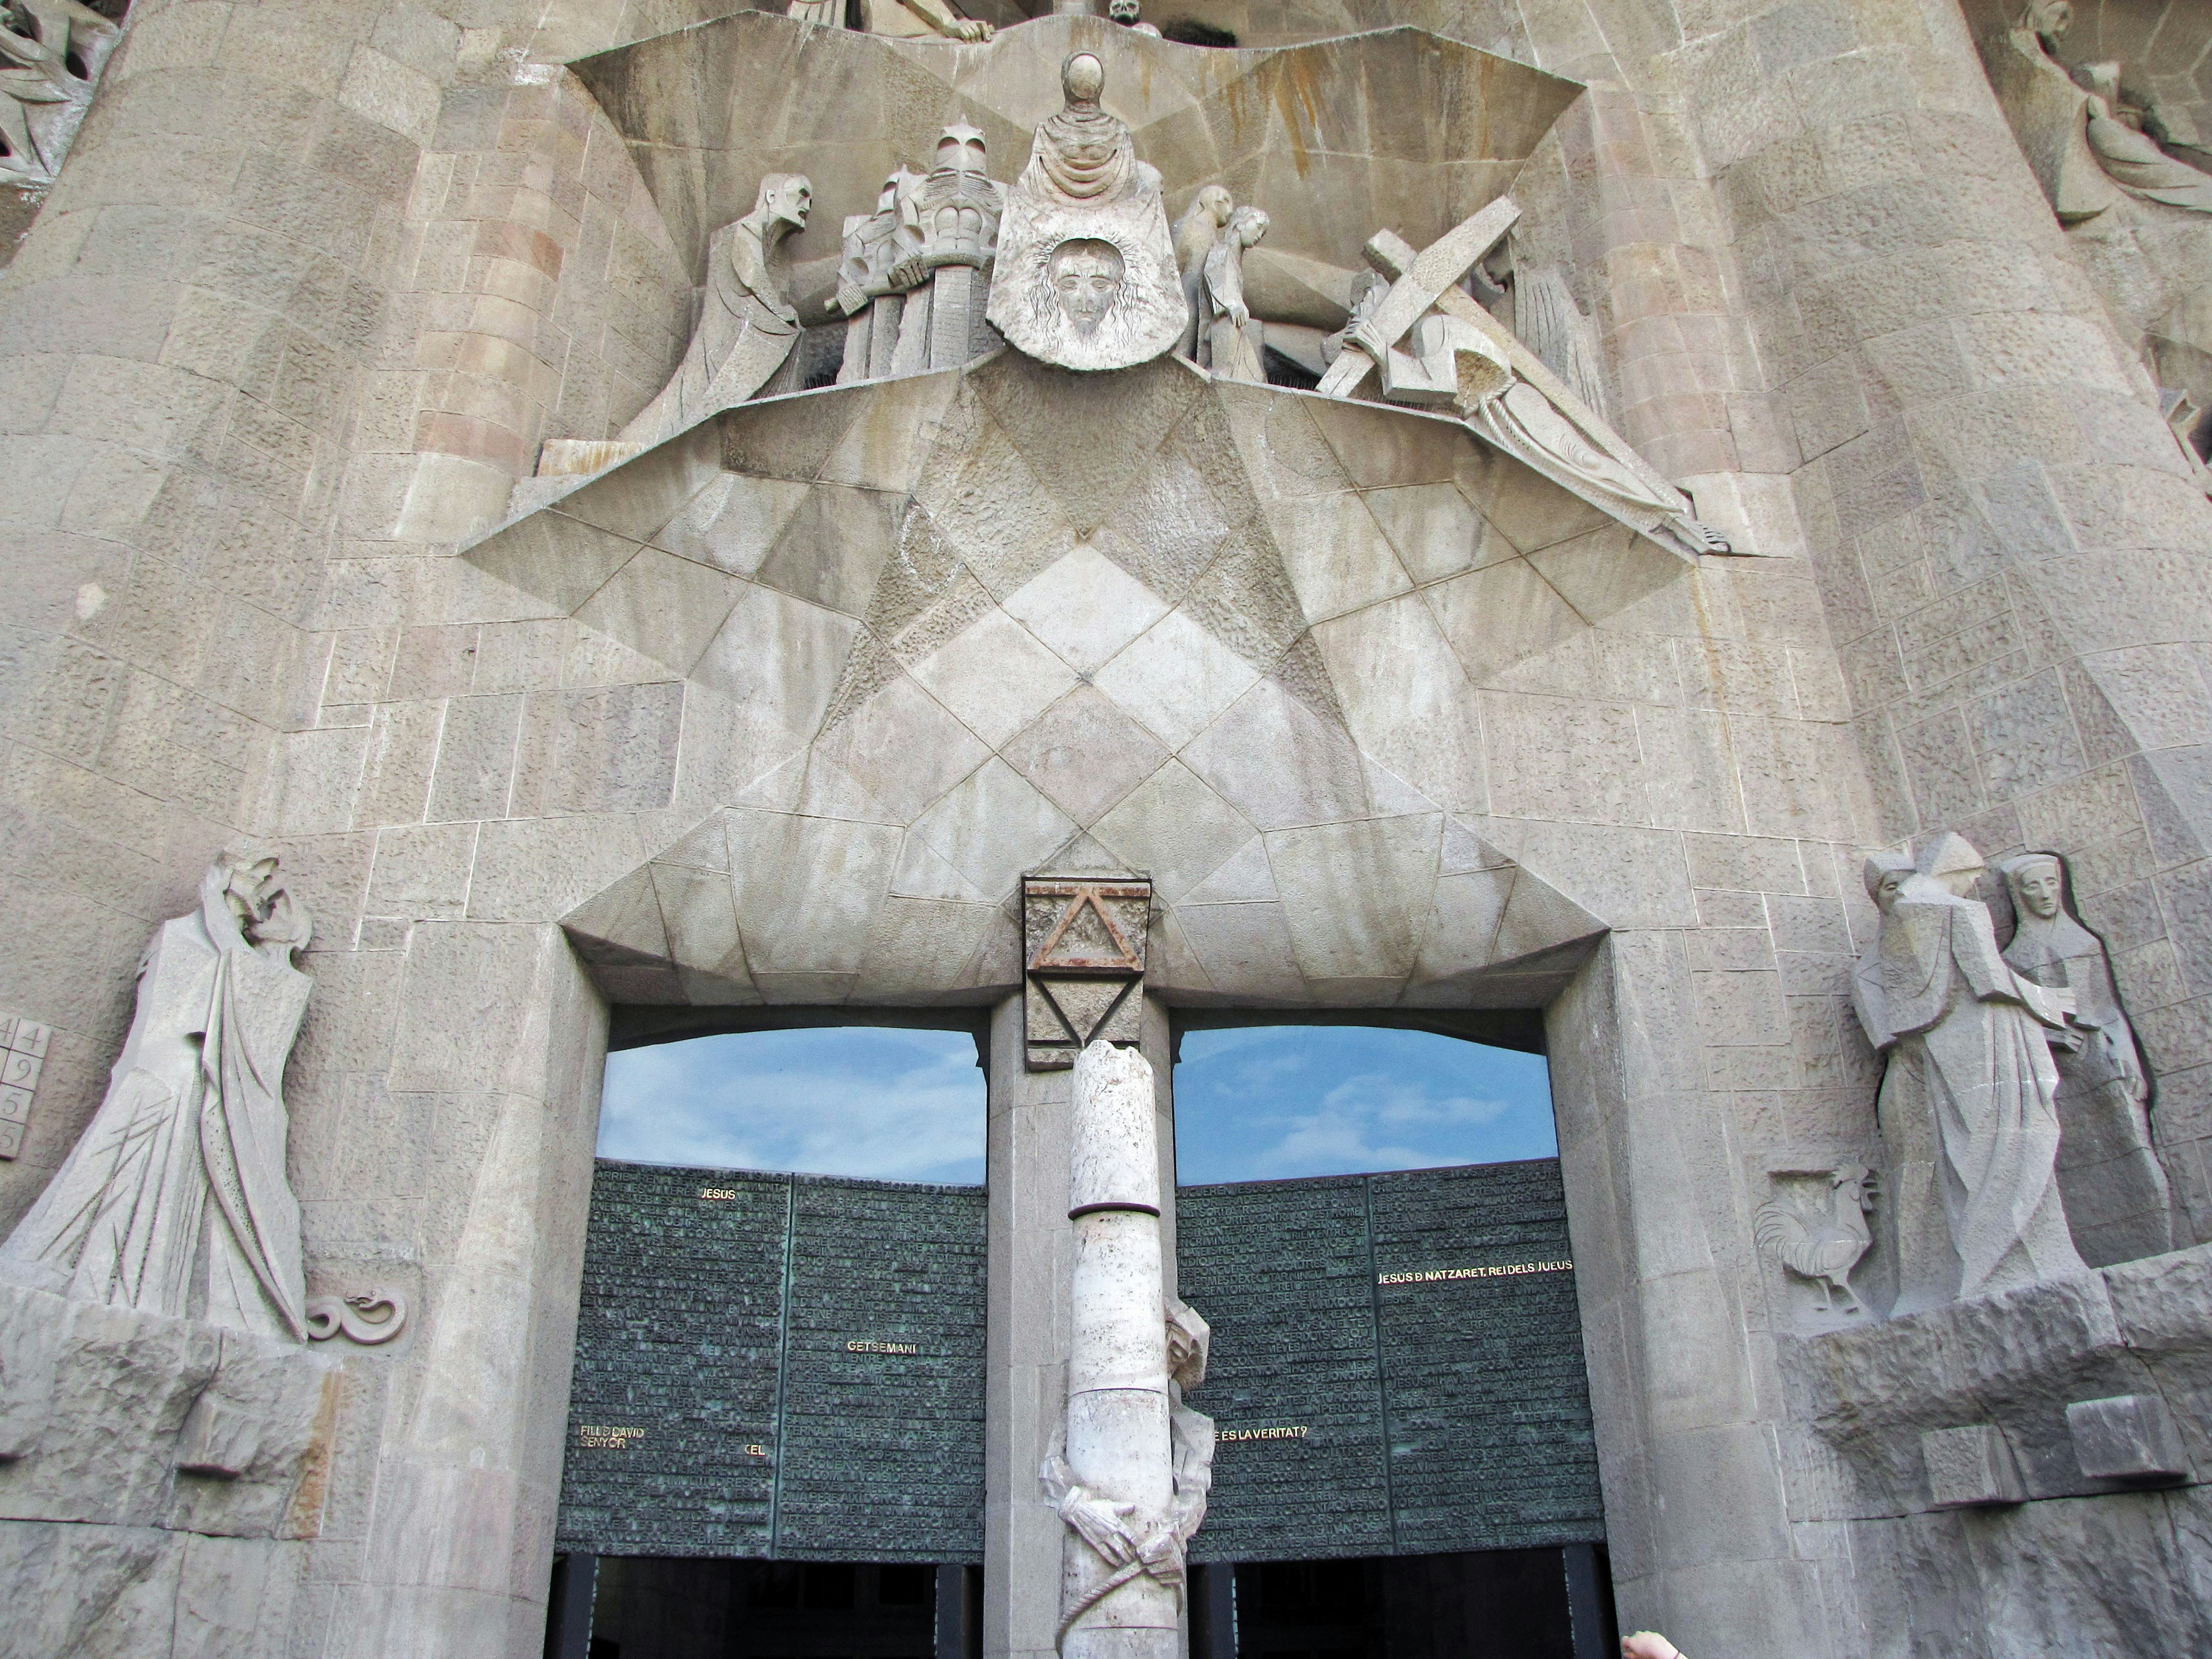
[(1086, 278)]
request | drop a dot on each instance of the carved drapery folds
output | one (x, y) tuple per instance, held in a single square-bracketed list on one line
[(1086, 275), (175, 1199), (2012, 1112), (51, 53)]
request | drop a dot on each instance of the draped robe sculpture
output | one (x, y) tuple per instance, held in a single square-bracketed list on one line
[(174, 1200), (2116, 1194), (1086, 276), (1967, 1109), (1195, 233), (1234, 345), (748, 327)]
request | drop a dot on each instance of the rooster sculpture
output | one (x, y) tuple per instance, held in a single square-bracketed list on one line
[(1822, 1238)]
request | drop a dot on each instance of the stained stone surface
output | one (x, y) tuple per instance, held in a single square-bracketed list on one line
[(778, 713)]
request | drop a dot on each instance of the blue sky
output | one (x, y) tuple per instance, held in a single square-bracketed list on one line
[(1259, 1103), (880, 1104), (1269, 1102)]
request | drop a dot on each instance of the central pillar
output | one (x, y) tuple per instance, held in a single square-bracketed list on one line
[(1032, 1268)]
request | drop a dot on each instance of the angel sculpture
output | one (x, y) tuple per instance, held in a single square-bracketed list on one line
[(1823, 1239)]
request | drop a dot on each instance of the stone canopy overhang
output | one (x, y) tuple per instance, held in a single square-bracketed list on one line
[(1395, 127), (942, 630)]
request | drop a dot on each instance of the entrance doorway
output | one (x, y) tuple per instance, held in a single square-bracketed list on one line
[(644, 1607), (1469, 1604)]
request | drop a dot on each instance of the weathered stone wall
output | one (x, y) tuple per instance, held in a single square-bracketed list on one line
[(318, 279)]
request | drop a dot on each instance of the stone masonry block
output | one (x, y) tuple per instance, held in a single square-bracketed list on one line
[(2128, 1436), (1969, 1467)]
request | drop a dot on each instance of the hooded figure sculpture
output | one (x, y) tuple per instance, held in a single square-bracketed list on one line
[(1086, 274), (747, 327), (1969, 1124), (174, 1200), (2116, 1192)]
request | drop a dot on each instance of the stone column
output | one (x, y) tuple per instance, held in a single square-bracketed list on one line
[(2009, 543), (1032, 1259)]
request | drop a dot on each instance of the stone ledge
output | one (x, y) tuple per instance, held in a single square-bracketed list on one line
[(2016, 1362), (123, 1419)]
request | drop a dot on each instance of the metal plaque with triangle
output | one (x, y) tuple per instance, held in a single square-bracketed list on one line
[(1083, 947)]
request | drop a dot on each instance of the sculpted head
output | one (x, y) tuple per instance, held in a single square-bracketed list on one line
[(1082, 79), (1247, 225), (785, 199), (1212, 203), (1885, 877), (1123, 12), (2050, 18), (1952, 863), (1189, 1337), (2037, 881), (1086, 279), (960, 149)]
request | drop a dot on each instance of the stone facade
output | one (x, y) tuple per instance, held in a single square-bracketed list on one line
[(774, 717)]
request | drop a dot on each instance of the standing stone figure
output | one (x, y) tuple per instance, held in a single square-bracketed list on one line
[(1086, 273), (1133, 1464), (748, 328), (1234, 347), (2115, 1190), (1968, 1106), (1195, 233), (946, 272), (874, 244), (175, 1201)]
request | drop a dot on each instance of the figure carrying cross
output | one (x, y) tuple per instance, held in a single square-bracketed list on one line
[(1430, 344)]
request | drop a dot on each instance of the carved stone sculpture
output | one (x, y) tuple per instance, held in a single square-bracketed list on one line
[(175, 1199), (1126, 14), (874, 243), (1822, 1240), (1132, 1471), (2115, 1190), (899, 19), (1429, 340), (51, 53), (1083, 941), (1967, 1109), (1195, 233), (1086, 273), (2079, 134), (1546, 316), (1233, 347), (946, 272), (369, 1318), (748, 327), (23, 1044)]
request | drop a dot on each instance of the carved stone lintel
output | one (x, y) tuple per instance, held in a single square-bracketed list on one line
[(1084, 952)]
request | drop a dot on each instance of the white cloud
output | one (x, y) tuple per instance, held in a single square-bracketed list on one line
[(1275, 1103), (1367, 1122), (881, 1104)]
